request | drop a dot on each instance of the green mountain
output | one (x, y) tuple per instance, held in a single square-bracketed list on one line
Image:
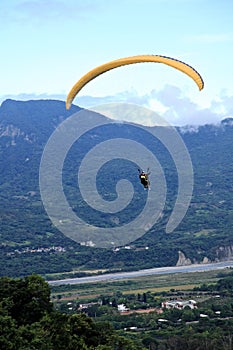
[(31, 243)]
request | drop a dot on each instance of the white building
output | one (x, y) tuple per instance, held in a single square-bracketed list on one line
[(122, 308), (179, 304)]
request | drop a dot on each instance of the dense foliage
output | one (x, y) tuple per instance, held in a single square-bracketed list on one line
[(28, 321)]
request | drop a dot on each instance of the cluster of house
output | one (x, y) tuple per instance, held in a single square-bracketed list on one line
[(128, 247), (87, 305), (171, 304), (179, 304), (53, 249)]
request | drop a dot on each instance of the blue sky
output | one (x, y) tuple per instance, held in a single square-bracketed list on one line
[(46, 46)]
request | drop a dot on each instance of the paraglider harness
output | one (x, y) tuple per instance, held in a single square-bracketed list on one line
[(144, 178)]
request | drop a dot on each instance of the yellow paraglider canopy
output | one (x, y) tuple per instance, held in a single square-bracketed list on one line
[(183, 67)]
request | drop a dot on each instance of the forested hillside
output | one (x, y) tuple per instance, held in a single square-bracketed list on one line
[(29, 241)]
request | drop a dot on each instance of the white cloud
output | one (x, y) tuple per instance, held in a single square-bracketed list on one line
[(170, 103), (32, 96)]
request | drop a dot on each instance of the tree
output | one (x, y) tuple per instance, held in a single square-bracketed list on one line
[(114, 303), (144, 297), (31, 298)]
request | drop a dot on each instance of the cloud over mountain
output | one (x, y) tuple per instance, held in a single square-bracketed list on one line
[(170, 103)]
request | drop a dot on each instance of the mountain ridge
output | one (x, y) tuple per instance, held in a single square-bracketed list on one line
[(25, 127)]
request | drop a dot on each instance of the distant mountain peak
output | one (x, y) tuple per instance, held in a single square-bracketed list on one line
[(227, 121)]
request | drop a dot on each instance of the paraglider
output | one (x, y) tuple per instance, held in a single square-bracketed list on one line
[(144, 178), (181, 66)]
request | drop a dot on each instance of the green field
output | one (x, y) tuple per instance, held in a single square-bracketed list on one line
[(155, 283)]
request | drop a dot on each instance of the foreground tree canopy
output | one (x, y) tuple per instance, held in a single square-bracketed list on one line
[(29, 321), (92, 74)]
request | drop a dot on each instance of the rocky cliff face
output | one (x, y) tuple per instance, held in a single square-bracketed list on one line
[(13, 134), (182, 260), (223, 253)]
